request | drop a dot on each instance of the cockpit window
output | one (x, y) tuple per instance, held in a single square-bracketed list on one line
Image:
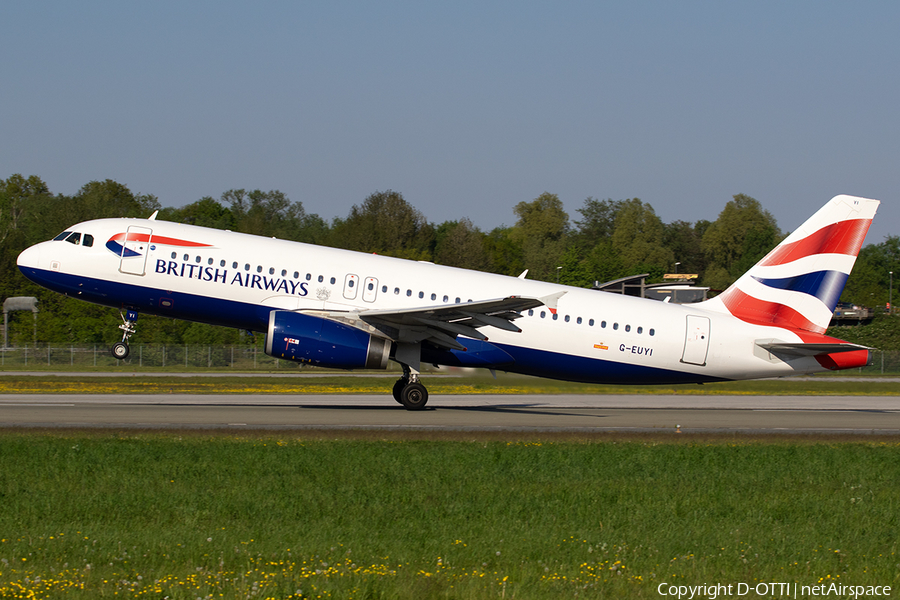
[(73, 237)]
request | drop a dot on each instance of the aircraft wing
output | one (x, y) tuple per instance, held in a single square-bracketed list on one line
[(441, 324)]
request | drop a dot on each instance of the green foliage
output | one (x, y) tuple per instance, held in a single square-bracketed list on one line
[(541, 231), (870, 280), (639, 236), (882, 333), (685, 240), (461, 244), (504, 254), (742, 234), (386, 224)]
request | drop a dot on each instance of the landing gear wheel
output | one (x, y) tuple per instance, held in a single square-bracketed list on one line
[(120, 350), (398, 389), (414, 396)]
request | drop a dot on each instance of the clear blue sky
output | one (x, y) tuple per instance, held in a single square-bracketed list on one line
[(466, 108)]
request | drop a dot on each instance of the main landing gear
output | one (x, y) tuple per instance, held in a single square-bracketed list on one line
[(409, 392), (121, 350)]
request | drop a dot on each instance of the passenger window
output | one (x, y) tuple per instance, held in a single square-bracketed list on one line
[(308, 276), (578, 320), (234, 265), (628, 328), (457, 300), (615, 326), (332, 280), (603, 324), (384, 289), (296, 274), (421, 294), (186, 257), (74, 238), (434, 296), (543, 314), (174, 255), (247, 267), (530, 312), (321, 278), (259, 268), (446, 298), (591, 322), (88, 240), (652, 332), (222, 263), (555, 316), (408, 293), (350, 283), (209, 261), (396, 290), (271, 270), (197, 259), (640, 330), (567, 318), (284, 272)]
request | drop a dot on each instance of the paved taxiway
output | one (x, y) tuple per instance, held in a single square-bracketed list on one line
[(789, 414)]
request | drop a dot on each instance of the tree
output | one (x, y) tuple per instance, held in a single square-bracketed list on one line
[(205, 212), (598, 221), (16, 195), (460, 244), (869, 282), (742, 234), (272, 214), (503, 253), (638, 239), (387, 224), (684, 240), (541, 231)]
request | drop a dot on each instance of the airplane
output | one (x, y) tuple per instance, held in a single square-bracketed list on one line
[(350, 310)]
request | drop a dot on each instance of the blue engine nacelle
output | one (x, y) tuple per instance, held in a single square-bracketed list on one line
[(323, 343)]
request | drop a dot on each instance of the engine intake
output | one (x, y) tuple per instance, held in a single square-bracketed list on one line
[(323, 343)]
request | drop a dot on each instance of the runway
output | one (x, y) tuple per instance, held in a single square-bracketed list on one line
[(659, 413)]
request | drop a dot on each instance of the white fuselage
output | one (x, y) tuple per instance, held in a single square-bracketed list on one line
[(235, 279)]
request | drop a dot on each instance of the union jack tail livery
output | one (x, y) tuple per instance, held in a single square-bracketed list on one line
[(797, 285)]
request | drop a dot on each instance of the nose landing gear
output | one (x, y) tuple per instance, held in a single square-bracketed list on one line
[(121, 350)]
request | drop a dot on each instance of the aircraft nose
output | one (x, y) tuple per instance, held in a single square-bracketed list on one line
[(30, 258)]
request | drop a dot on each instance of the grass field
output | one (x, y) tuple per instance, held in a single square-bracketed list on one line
[(437, 384), (378, 515)]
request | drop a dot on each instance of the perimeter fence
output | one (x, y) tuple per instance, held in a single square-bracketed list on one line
[(171, 357), (143, 357)]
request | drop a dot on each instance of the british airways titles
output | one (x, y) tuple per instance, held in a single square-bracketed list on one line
[(216, 275)]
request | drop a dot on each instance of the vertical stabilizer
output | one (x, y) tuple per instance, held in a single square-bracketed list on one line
[(797, 285)]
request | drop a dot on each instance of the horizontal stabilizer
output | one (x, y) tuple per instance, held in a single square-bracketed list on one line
[(801, 349)]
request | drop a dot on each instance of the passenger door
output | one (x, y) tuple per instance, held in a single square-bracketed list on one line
[(696, 341), (135, 248)]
